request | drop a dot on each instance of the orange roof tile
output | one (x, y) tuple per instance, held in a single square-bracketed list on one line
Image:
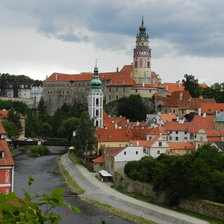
[(200, 122), (144, 142), (215, 139), (172, 87), (99, 159), (181, 145), (212, 108), (176, 126), (127, 68), (112, 151), (121, 80), (7, 160), (112, 135), (168, 117), (157, 131), (2, 129)]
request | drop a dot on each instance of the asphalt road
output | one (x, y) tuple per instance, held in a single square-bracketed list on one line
[(46, 174)]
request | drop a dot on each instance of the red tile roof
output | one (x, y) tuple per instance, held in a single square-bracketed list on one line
[(168, 117), (212, 108), (121, 80), (112, 135), (172, 87), (200, 122), (176, 126), (2, 129), (7, 160), (157, 131), (99, 159), (112, 151), (181, 146)]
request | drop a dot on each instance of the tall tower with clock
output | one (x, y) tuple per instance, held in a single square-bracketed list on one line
[(142, 57), (95, 100)]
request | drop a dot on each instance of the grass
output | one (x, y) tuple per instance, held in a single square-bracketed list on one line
[(74, 158), (119, 213), (71, 183)]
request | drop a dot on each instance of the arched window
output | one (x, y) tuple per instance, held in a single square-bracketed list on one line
[(97, 101), (97, 112), (97, 123)]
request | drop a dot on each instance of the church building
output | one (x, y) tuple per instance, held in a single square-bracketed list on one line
[(136, 78)]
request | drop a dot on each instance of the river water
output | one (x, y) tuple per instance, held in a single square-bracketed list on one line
[(47, 177)]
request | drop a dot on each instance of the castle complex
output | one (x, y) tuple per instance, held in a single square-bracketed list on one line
[(136, 78)]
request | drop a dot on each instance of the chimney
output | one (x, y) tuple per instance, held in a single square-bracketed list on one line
[(137, 123), (199, 111), (128, 120), (137, 143), (56, 77), (117, 69), (115, 126), (181, 96), (204, 115)]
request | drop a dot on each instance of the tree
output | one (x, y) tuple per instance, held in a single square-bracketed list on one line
[(11, 129), (85, 139), (67, 127), (14, 117), (34, 208), (218, 90), (132, 107), (191, 85)]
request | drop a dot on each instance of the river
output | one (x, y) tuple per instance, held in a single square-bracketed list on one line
[(47, 177)]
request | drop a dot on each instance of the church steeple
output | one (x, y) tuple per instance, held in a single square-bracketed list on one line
[(142, 57), (95, 99)]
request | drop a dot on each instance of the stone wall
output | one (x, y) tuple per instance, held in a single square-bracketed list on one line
[(133, 186), (204, 207), (208, 208)]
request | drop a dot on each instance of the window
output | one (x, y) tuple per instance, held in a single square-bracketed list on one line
[(1, 155), (97, 112), (97, 123), (158, 151), (176, 132), (136, 152), (176, 138), (170, 138), (97, 101), (160, 143), (124, 153)]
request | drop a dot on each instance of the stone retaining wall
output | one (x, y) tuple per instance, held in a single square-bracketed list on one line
[(204, 207), (208, 208)]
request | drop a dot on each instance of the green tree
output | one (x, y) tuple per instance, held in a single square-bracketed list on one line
[(191, 85), (85, 139), (45, 130), (14, 117), (67, 127), (34, 208), (11, 129), (218, 90), (132, 107)]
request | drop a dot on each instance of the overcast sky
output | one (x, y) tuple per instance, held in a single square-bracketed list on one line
[(39, 37)]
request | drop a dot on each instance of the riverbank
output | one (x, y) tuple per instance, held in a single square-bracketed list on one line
[(100, 192)]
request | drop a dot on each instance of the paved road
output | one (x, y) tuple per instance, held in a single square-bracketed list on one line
[(96, 190), (47, 177)]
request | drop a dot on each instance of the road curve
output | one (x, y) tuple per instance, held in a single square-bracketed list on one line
[(95, 190)]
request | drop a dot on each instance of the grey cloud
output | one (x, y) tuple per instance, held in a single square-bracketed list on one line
[(195, 27)]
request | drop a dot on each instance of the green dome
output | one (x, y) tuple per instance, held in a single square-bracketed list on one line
[(95, 82)]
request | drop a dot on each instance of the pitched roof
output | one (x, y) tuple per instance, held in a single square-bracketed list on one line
[(113, 151), (181, 146), (172, 87), (176, 126), (2, 129), (144, 142), (7, 160), (121, 80), (212, 108), (112, 135), (157, 131), (99, 159), (168, 117), (201, 122)]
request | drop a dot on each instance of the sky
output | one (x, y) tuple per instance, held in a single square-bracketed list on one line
[(40, 37)]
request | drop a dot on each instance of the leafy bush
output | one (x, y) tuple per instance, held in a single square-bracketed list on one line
[(198, 175), (37, 150)]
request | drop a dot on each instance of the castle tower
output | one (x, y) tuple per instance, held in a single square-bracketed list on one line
[(142, 57), (95, 100)]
